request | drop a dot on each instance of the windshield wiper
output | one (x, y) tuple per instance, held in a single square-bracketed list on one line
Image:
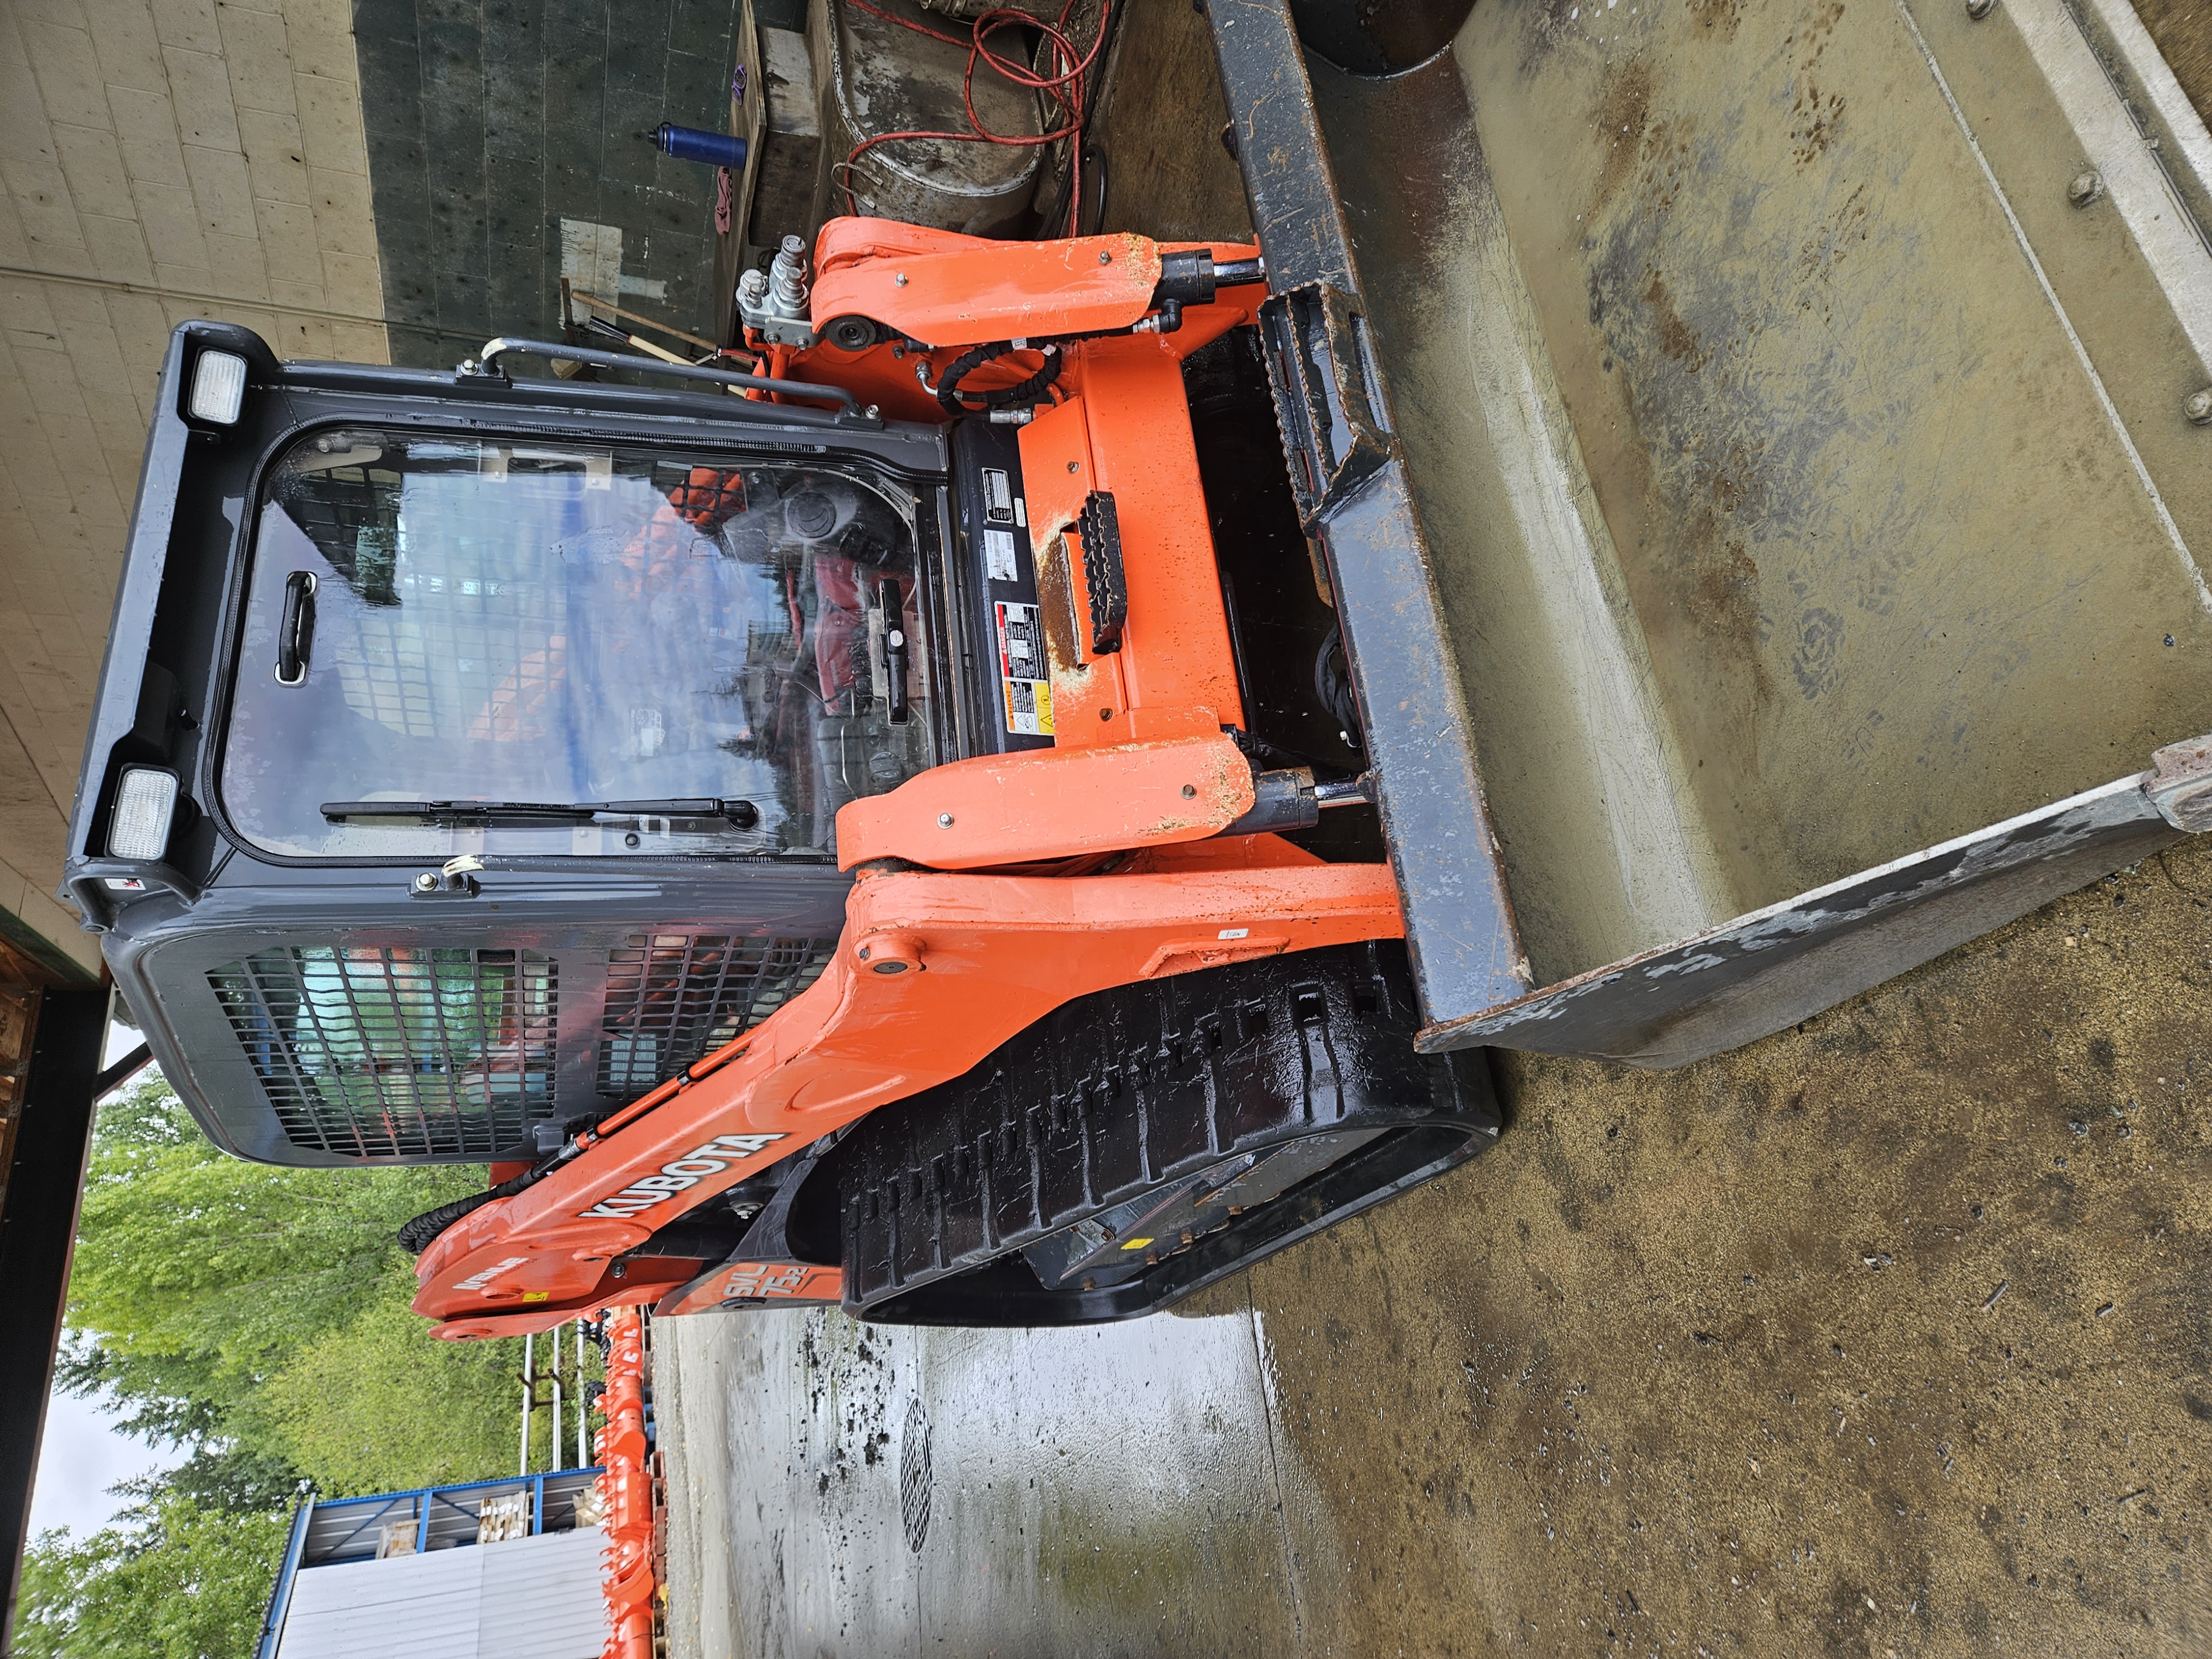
[(740, 814)]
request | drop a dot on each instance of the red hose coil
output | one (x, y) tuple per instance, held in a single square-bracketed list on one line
[(1062, 86)]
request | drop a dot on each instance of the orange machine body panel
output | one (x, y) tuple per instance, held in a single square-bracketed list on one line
[(941, 289), (1054, 804)]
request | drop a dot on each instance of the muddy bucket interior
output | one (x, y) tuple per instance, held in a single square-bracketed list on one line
[(1802, 475)]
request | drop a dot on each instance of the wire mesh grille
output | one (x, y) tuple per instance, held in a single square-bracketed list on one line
[(471, 639), (397, 1051), (471, 633), (672, 998)]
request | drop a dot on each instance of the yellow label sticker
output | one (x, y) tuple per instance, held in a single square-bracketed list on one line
[(1021, 672), (1136, 1244), (537, 1295)]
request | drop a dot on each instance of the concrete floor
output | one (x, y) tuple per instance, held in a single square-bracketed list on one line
[(1886, 1335)]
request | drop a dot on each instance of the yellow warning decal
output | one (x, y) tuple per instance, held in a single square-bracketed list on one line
[(1136, 1244), (1021, 670)]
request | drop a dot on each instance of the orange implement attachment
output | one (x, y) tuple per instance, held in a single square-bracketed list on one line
[(625, 1487), (1053, 804), (934, 972)]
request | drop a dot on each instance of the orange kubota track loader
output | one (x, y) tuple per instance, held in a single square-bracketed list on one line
[(991, 891), (547, 719)]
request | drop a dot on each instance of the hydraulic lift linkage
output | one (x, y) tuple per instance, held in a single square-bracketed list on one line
[(966, 922)]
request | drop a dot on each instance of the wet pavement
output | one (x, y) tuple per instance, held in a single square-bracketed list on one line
[(1886, 1335)]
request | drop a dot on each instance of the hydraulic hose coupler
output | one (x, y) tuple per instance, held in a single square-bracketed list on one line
[(786, 277), (774, 302)]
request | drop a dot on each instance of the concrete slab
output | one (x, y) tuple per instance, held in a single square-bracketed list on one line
[(1887, 1335)]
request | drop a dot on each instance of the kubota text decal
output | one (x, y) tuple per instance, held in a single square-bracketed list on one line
[(716, 1156)]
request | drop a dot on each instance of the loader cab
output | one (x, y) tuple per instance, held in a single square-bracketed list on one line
[(468, 753)]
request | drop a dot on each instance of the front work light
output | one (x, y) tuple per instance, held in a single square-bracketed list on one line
[(218, 387), (145, 805)]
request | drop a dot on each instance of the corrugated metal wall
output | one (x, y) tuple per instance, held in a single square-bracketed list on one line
[(530, 1598)]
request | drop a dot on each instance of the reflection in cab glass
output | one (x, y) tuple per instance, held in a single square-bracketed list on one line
[(510, 639)]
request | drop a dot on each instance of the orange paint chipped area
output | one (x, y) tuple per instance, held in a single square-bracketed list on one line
[(1126, 429), (1191, 955), (772, 1283)]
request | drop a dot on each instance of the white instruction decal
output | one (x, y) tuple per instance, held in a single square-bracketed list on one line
[(999, 557), (1021, 670)]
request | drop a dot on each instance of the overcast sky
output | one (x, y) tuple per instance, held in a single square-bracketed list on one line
[(84, 1454)]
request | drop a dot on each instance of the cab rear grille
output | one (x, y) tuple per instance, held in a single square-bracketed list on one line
[(397, 1051), (672, 998)]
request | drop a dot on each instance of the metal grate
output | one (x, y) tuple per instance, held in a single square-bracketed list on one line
[(672, 998), (467, 626), (397, 1051), (917, 1479)]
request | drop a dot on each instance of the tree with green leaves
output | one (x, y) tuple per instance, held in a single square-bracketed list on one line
[(186, 1582), (258, 1318)]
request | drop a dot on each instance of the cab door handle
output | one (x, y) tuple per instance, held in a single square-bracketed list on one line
[(894, 653), (296, 627)]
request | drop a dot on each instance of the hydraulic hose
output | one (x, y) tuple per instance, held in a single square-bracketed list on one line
[(1021, 395)]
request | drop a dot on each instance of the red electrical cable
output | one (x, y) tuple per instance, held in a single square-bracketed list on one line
[(1063, 87)]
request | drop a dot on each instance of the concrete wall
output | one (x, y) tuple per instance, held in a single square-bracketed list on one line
[(161, 162), (503, 145)]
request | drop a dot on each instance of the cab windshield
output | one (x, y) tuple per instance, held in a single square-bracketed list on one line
[(447, 622)]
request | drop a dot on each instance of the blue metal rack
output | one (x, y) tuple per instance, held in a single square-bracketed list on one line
[(326, 1532)]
